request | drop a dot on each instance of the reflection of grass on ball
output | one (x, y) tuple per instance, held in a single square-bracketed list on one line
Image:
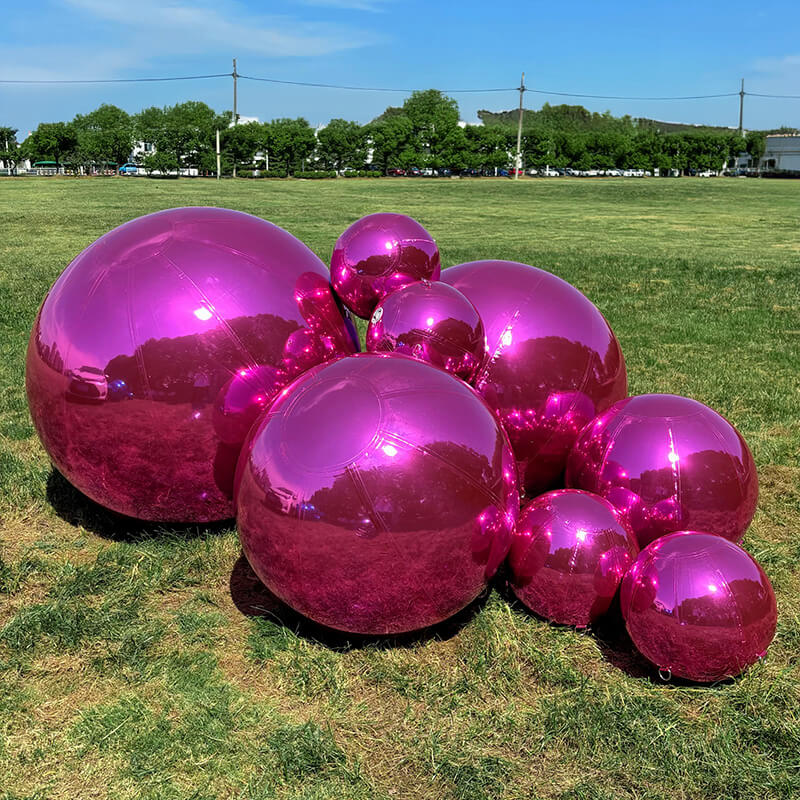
[(127, 671)]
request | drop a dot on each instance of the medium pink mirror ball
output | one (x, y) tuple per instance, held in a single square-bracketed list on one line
[(698, 606), (377, 495), (668, 463), (568, 555), (157, 346), (378, 254), (554, 362), (433, 322)]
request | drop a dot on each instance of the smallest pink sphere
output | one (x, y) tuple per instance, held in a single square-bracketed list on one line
[(568, 556), (432, 322), (378, 254)]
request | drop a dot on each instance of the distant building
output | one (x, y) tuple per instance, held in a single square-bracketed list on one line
[(781, 153)]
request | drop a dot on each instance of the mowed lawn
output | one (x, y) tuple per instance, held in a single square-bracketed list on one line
[(145, 663)]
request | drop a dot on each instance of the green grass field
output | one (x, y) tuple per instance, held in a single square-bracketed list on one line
[(142, 663)]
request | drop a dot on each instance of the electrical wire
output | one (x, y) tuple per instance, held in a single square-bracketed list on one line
[(393, 89), (370, 88), (124, 80)]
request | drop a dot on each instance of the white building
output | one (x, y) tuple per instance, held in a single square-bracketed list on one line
[(781, 154)]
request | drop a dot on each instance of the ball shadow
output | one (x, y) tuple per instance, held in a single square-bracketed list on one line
[(253, 599), (613, 641), (76, 509)]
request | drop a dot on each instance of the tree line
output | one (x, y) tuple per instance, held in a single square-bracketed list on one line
[(423, 133)]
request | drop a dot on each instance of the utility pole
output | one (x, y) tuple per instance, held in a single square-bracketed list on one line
[(235, 75), (218, 170), (519, 129), (741, 107)]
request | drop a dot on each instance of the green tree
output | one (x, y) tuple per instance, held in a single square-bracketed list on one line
[(291, 142), (436, 136), (186, 131), (391, 141), (51, 141), (9, 148), (342, 144), (240, 144), (105, 135)]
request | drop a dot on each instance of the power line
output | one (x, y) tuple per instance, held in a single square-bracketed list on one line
[(370, 88), (124, 80), (626, 97), (346, 87), (776, 96)]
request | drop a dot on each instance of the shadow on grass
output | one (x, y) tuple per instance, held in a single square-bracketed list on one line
[(253, 599), (613, 641), (77, 509)]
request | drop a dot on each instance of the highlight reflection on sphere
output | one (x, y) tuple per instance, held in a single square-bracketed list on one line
[(568, 555), (377, 495), (135, 343), (554, 362), (668, 463), (378, 254), (698, 606), (433, 322)]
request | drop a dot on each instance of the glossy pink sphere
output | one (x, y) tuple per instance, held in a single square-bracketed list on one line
[(698, 606), (668, 463), (433, 322), (378, 254), (377, 495), (554, 363), (142, 349), (568, 555)]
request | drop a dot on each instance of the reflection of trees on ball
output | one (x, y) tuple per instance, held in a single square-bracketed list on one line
[(433, 322), (378, 495), (698, 606), (185, 315), (668, 463), (553, 361), (379, 254)]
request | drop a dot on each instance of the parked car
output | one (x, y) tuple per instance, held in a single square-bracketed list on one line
[(549, 172), (470, 173), (614, 173), (444, 172), (129, 169), (533, 172), (512, 172), (502, 173), (414, 172), (427, 172), (87, 385), (396, 172)]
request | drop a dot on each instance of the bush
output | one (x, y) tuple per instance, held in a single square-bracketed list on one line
[(316, 174)]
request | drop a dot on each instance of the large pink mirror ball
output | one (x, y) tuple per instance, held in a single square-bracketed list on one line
[(378, 254), (157, 346), (568, 555), (698, 606), (554, 362), (668, 463), (377, 496)]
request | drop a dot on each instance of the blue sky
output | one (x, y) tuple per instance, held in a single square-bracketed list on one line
[(674, 47)]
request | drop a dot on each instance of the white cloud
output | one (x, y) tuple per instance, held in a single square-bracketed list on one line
[(350, 5), (110, 39), (785, 65), (192, 27)]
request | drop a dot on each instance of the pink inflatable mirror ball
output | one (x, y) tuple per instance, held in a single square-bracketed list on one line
[(568, 555), (433, 322), (554, 362), (377, 495), (378, 254), (668, 463), (698, 606), (160, 343)]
